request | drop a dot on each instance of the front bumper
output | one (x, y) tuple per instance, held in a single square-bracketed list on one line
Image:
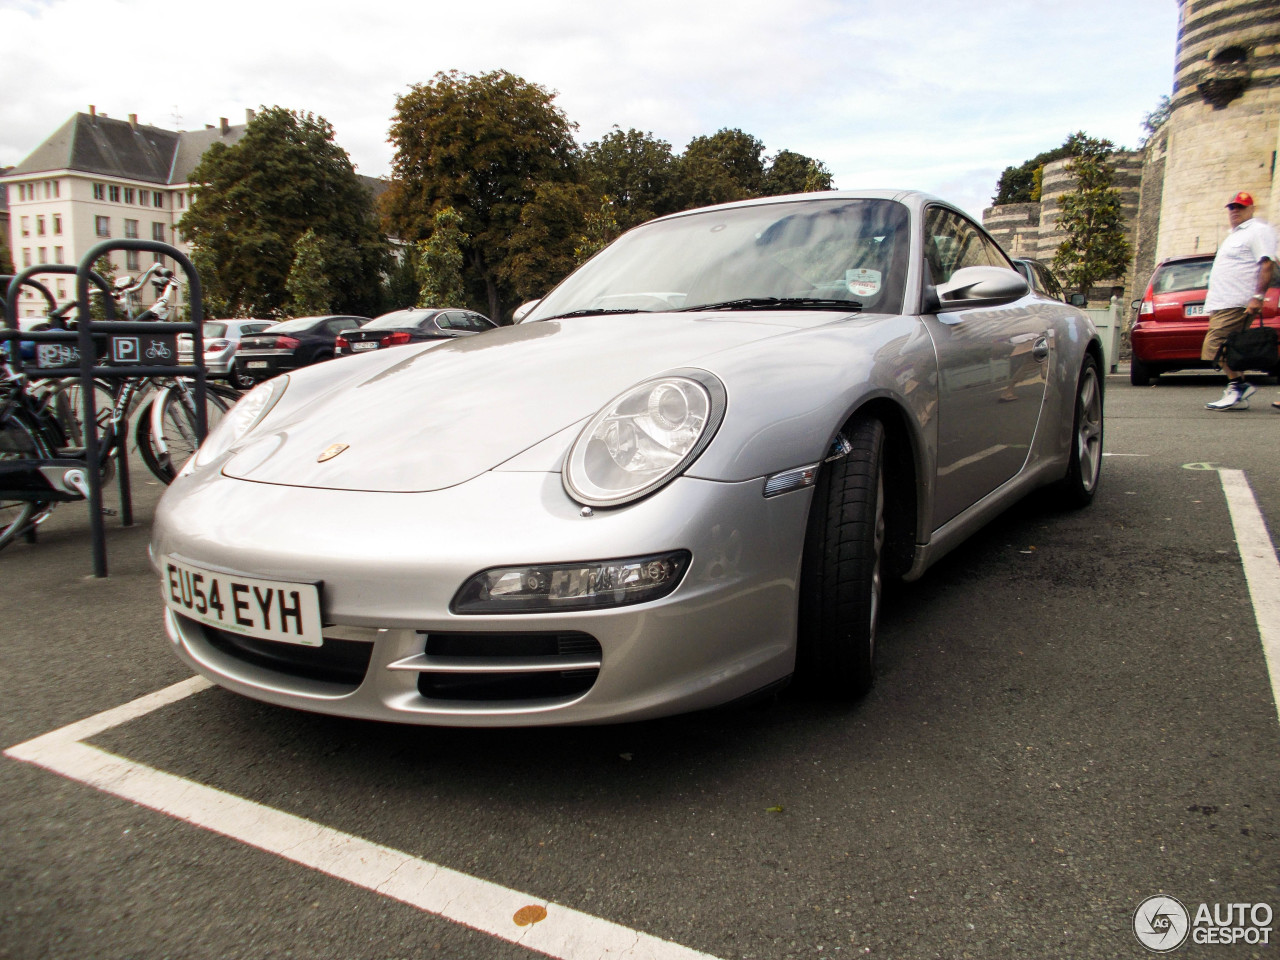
[(390, 563)]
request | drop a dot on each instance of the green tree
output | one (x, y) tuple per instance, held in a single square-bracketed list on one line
[(1095, 247), (6, 257), (308, 282), (482, 145), (599, 229), (728, 165), (401, 285), (636, 171), (1156, 119), (1022, 184), (791, 172), (542, 249), (253, 200), (441, 260)]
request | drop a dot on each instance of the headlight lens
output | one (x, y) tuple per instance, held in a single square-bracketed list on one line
[(240, 419), (644, 437), (545, 588)]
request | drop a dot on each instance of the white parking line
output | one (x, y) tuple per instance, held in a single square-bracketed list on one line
[(1261, 569), (539, 925)]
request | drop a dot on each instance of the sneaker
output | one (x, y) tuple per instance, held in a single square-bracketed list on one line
[(1235, 397)]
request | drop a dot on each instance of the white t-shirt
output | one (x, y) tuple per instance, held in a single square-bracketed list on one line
[(1234, 277)]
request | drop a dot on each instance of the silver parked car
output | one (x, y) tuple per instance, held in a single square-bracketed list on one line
[(221, 338), (682, 478)]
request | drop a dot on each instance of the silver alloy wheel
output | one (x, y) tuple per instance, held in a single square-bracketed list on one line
[(1089, 428)]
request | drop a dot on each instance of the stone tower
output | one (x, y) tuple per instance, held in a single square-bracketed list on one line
[(1223, 130)]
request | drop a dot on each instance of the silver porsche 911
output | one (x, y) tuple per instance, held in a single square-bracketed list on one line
[(680, 480)]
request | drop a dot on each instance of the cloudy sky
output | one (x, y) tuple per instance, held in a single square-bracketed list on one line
[(934, 94)]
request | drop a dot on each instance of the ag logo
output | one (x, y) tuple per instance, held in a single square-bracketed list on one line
[(1161, 923)]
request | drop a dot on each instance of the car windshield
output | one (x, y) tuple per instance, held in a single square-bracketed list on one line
[(832, 254), (397, 320), (1177, 277), (295, 325)]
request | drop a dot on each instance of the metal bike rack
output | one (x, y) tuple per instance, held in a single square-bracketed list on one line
[(89, 369)]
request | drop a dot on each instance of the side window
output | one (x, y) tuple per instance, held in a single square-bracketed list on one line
[(952, 242), (1050, 283)]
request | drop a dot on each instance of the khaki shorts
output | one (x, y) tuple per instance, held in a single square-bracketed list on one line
[(1221, 323)]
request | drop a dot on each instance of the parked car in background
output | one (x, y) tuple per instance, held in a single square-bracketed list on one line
[(1171, 323), (291, 344), (684, 477), (413, 325), (221, 338)]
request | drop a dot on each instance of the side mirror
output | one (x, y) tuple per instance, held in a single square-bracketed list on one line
[(1078, 300), (524, 310), (973, 286)]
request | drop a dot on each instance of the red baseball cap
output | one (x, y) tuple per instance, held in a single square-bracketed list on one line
[(1242, 199)]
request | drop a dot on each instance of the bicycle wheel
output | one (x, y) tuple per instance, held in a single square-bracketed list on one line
[(66, 403), (166, 449), (19, 441)]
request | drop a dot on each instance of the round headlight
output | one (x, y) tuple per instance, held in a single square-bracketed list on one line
[(643, 438), (240, 419)]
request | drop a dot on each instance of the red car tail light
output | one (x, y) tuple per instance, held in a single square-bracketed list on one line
[(394, 339), (1147, 308), (213, 346), (341, 343), (286, 343)]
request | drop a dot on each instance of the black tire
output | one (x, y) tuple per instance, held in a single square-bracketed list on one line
[(66, 404), (842, 573), (1140, 375), (178, 423), (1084, 470), (20, 441)]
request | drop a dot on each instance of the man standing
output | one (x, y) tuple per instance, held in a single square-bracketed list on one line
[(1237, 288)]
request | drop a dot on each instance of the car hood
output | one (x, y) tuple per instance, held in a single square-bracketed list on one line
[(441, 414)]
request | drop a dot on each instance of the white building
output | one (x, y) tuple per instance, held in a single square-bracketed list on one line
[(96, 178)]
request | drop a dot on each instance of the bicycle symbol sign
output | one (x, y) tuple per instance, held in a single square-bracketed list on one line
[(149, 348)]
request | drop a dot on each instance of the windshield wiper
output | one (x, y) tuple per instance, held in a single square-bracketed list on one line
[(773, 303), (596, 312)]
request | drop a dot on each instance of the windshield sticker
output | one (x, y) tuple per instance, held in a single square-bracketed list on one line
[(863, 282)]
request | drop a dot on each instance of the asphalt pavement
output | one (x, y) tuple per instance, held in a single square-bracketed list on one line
[(1073, 714)]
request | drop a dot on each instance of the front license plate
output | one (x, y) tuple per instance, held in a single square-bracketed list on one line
[(264, 609), (365, 345), (1194, 309)]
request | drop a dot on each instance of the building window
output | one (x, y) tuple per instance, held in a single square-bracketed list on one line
[(99, 191), (131, 260), (102, 226), (113, 192), (26, 256), (157, 199), (43, 254), (131, 229), (57, 224), (57, 189), (180, 201), (158, 258), (144, 198), (62, 290), (57, 255), (157, 231), (22, 191), (39, 226), (26, 226), (128, 195)]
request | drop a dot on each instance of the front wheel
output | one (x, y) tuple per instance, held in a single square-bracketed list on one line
[(166, 428), (1084, 469), (20, 441), (841, 579)]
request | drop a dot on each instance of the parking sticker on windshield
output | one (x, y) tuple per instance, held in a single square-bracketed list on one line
[(863, 282)]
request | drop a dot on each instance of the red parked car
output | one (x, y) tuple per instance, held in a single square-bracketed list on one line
[(1171, 322)]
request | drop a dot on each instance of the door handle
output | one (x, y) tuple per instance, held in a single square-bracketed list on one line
[(1041, 349)]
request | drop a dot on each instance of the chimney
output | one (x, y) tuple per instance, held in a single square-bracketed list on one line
[(93, 111), (133, 120), (249, 115), (226, 127)]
